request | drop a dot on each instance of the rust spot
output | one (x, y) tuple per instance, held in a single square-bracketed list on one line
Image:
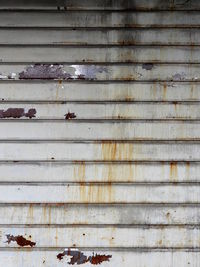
[(70, 116), (147, 66), (78, 258), (20, 240), (44, 71), (17, 113), (98, 259)]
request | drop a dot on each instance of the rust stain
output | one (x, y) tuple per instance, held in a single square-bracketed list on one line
[(20, 240), (30, 215), (70, 116), (173, 171), (164, 91), (147, 66), (116, 151), (79, 172), (17, 113), (78, 257)]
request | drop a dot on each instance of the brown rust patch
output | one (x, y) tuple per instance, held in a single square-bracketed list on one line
[(70, 116), (98, 259), (78, 257), (20, 240), (17, 113)]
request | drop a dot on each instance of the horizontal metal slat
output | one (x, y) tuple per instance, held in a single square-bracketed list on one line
[(32, 54), (96, 151), (99, 37), (102, 215), (101, 111), (102, 5), (160, 237), (121, 172), (49, 258), (127, 91), (74, 130), (124, 72), (101, 193), (100, 19)]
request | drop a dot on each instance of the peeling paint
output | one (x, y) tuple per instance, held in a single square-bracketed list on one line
[(179, 76), (147, 66), (20, 240), (44, 71), (70, 116), (89, 72), (17, 113), (57, 71), (78, 257)]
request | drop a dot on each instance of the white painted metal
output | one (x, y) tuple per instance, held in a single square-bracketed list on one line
[(64, 171), (116, 181), (94, 130), (118, 237), (101, 193)]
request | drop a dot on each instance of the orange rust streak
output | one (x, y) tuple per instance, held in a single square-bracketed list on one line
[(173, 172)]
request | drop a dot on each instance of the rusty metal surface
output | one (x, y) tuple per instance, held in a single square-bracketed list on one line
[(99, 133)]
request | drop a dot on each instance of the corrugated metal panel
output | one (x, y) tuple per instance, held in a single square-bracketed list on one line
[(99, 133)]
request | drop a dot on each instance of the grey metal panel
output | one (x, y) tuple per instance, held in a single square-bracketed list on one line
[(100, 19), (103, 4), (102, 36), (142, 54), (106, 72)]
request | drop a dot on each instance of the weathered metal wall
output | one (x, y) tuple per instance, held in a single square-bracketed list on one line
[(99, 133)]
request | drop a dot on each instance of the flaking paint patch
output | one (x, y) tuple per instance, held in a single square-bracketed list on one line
[(78, 257), (20, 240), (61, 72), (44, 71), (147, 66), (179, 76), (89, 72), (17, 113)]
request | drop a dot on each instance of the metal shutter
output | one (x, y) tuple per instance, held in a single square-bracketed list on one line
[(99, 133)]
